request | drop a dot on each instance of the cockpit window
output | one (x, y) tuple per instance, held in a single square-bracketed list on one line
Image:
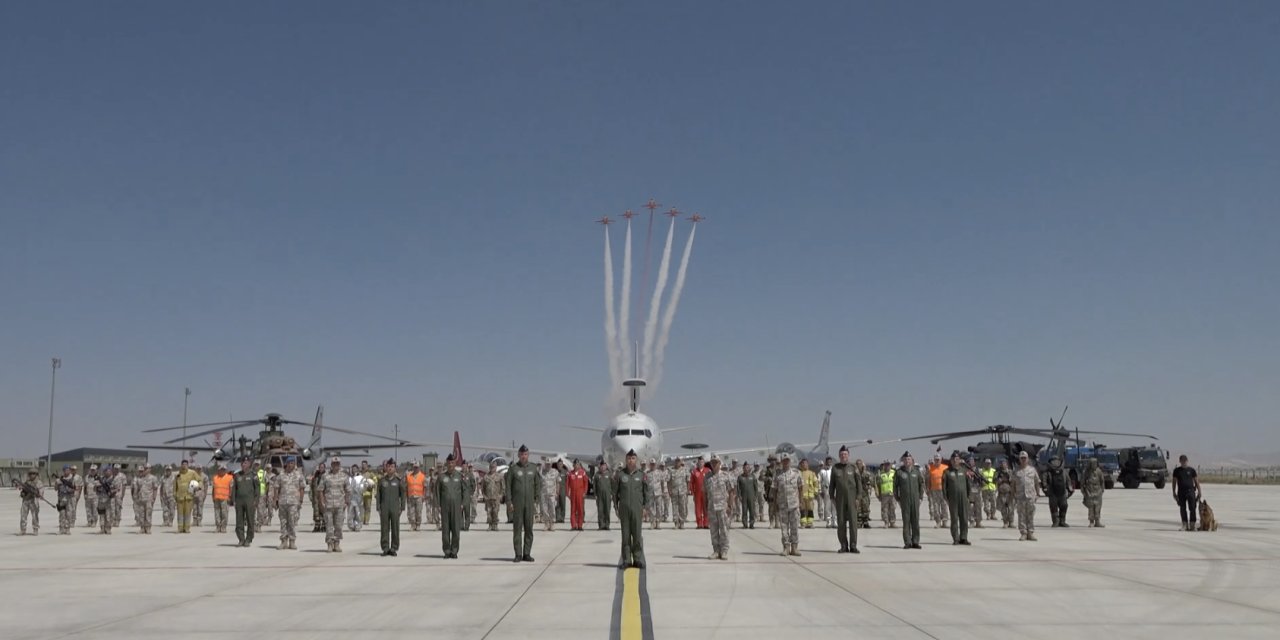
[(613, 433), (648, 433)]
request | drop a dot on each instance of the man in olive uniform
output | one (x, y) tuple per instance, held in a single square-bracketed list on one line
[(955, 487), (491, 489), (317, 511), (909, 490), (846, 491), (747, 488), (468, 500), (334, 493), (183, 493), (868, 486), (631, 497), (561, 491), (1058, 487), (451, 491), (245, 494), (523, 481), (392, 496), (1092, 486), (602, 486), (766, 477)]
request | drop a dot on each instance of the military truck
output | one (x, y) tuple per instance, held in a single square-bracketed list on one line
[(1143, 464), (1076, 459)]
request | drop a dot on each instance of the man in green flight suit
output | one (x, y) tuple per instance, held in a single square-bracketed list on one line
[(908, 490), (523, 480), (451, 489), (602, 485), (391, 501), (631, 498), (846, 494), (955, 487), (244, 499), (747, 496)]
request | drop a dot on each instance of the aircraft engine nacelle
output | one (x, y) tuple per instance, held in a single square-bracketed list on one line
[(219, 455), (306, 454)]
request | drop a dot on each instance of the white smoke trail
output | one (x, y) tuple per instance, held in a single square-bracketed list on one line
[(610, 322), (670, 315), (624, 334), (651, 325)]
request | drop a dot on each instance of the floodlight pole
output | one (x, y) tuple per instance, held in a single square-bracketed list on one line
[(53, 386)]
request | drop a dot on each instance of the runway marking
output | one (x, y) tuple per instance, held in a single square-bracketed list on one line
[(632, 617), (520, 597)]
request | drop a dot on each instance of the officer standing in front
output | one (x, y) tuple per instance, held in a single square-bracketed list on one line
[(908, 489), (451, 490), (391, 499), (955, 486), (334, 493), (631, 497), (846, 491), (244, 499), (523, 481), (747, 487)]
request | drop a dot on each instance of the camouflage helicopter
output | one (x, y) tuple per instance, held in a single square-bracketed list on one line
[(272, 445)]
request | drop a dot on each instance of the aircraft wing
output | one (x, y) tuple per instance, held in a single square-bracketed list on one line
[(367, 447), (511, 451), (771, 448), (161, 447)]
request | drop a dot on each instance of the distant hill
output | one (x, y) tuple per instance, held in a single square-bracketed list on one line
[(1237, 461)]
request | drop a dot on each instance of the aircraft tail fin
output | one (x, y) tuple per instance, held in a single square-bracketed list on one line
[(457, 446), (316, 432), (825, 433)]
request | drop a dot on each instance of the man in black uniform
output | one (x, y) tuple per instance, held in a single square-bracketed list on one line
[(1058, 487), (523, 480), (1186, 492)]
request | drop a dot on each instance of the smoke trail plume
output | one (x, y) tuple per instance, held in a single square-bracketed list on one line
[(651, 325), (669, 315), (610, 322), (624, 334)]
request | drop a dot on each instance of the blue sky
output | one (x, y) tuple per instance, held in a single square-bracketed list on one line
[(920, 217)]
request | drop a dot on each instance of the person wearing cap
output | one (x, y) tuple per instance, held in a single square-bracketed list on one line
[(718, 486), (182, 494), (145, 489), (119, 485), (846, 491), (244, 499), (522, 482), (908, 490), (287, 490), (698, 490), (652, 513), (826, 511), (662, 492), (198, 496), (168, 499), (391, 497), (451, 491), (766, 479), (748, 487), (77, 482), (868, 490), (678, 488), (551, 482), (884, 492), (491, 489), (955, 485), (1026, 488), (937, 502), (469, 495), (577, 487), (221, 482), (987, 476), (1092, 485), (630, 497), (31, 494), (788, 489), (416, 489), (65, 487), (333, 495), (602, 487), (1004, 492), (91, 480)]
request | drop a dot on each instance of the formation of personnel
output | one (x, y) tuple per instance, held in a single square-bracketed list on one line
[(958, 493)]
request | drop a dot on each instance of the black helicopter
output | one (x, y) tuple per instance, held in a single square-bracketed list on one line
[(272, 445), (1000, 444)]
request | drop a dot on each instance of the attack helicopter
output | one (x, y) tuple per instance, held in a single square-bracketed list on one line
[(1001, 445), (272, 446)]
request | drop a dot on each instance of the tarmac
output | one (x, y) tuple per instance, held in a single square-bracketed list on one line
[(1138, 578)]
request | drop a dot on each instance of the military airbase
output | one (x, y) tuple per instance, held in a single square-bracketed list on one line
[(1138, 578)]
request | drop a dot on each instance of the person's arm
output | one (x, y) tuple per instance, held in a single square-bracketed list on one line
[(1195, 477)]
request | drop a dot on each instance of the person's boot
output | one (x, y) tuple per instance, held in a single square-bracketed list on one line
[(1099, 525), (284, 544), (1031, 537), (795, 550)]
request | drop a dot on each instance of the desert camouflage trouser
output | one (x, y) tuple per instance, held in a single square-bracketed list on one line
[(491, 513), (1026, 516), (679, 508), (168, 507), (142, 513), (32, 508), (289, 522), (416, 504), (91, 509), (718, 522), (789, 519), (220, 511), (1004, 503), (888, 510), (937, 507)]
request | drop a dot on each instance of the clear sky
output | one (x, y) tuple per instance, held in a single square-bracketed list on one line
[(922, 216)]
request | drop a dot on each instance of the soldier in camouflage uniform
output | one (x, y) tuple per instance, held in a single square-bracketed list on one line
[(145, 489), (66, 488), (1004, 493), (287, 491), (678, 488), (787, 488), (662, 492), (91, 480), (550, 490), (30, 492), (119, 484), (522, 484), (1026, 488), (105, 489), (334, 492), (197, 503), (78, 482), (766, 478), (630, 495), (864, 501), (168, 503), (718, 486), (1092, 486), (433, 509), (468, 496), (491, 488), (317, 513)]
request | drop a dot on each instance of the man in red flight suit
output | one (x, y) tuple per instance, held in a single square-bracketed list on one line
[(699, 497), (577, 482)]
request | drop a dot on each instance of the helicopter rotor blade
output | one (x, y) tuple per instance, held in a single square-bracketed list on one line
[(325, 427), (207, 432), (206, 424), (939, 437), (1116, 433)]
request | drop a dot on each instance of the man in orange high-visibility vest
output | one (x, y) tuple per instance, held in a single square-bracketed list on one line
[(221, 498), (416, 483)]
